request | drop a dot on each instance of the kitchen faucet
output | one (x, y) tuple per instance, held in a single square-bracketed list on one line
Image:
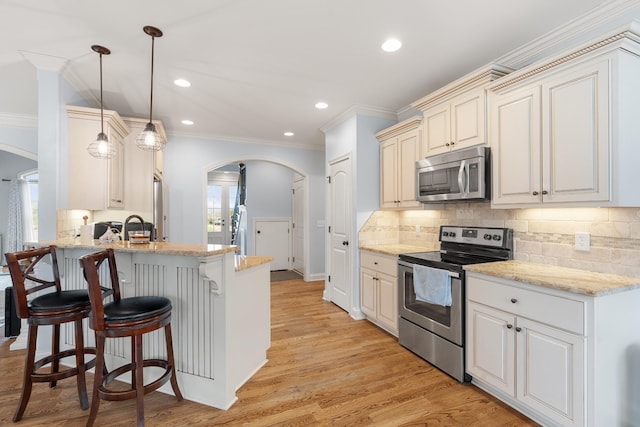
[(126, 222)]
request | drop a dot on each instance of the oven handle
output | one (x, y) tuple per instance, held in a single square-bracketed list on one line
[(453, 274)]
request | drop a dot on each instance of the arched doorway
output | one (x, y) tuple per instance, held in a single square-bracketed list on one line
[(269, 201)]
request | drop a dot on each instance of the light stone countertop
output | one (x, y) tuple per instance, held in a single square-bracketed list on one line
[(396, 249), (160, 248), (561, 278), (245, 262)]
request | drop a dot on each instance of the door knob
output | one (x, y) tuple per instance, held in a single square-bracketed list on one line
[(258, 231)]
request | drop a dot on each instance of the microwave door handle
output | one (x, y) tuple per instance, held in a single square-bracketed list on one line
[(468, 176), (461, 180)]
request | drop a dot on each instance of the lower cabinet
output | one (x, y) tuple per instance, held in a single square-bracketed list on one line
[(538, 365), (562, 358), (379, 290)]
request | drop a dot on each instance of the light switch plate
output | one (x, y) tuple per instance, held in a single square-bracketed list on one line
[(583, 241)]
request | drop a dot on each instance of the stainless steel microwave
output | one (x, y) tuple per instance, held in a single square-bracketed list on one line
[(462, 175)]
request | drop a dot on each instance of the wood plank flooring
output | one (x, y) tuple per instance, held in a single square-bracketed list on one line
[(324, 369)]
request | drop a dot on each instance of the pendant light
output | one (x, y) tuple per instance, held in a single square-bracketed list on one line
[(149, 139), (101, 148)]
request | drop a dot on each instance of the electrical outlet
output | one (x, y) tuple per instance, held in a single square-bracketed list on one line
[(417, 230), (583, 241)]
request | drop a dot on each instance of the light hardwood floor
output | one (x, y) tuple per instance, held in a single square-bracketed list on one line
[(324, 369)]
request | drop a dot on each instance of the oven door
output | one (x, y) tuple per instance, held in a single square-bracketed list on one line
[(446, 322)]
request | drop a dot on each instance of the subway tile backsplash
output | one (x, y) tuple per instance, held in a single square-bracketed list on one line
[(540, 235)]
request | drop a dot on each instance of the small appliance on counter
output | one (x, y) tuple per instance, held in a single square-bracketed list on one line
[(99, 228)]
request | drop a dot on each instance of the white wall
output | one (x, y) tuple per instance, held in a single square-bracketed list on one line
[(187, 161)]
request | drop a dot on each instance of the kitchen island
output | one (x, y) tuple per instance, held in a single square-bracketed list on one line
[(221, 310)]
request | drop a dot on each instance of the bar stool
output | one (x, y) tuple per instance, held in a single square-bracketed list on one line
[(125, 317), (53, 308)]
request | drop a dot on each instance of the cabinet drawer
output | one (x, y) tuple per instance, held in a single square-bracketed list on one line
[(563, 313), (381, 263)]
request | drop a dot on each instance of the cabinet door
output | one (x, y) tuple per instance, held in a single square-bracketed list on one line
[(115, 174), (516, 147), (388, 174), (468, 119), (388, 301), (368, 292), (551, 371), (436, 130), (408, 155), (576, 134), (491, 346)]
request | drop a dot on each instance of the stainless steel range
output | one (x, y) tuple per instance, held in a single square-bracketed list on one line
[(432, 307)]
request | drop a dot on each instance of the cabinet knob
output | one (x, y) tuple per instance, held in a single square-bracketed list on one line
[(446, 144), (375, 262), (545, 192), (535, 193), (509, 326), (518, 329), (513, 300), (453, 143)]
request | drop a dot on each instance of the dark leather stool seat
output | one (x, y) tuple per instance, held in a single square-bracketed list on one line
[(28, 272), (125, 317)]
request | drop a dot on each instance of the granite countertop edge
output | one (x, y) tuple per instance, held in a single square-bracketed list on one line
[(572, 280), (159, 248), (395, 249)]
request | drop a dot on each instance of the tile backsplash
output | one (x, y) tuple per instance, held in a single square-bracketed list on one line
[(540, 235)]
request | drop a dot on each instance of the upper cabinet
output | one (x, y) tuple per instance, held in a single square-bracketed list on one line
[(562, 132), (399, 151), (95, 184), (141, 168), (455, 116)]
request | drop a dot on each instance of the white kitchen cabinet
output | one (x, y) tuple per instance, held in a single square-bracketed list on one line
[(530, 346), (455, 116), (563, 358), (95, 184), (399, 151), (453, 125), (379, 290), (141, 167), (561, 131)]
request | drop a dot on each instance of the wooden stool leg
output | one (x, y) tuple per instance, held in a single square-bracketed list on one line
[(138, 371), (174, 379), (55, 349), (100, 370), (80, 380), (28, 370)]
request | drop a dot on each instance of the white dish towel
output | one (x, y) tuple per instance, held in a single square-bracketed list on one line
[(432, 285)]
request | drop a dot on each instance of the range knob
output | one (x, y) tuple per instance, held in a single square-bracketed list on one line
[(452, 234), (487, 237), (445, 233), (497, 237)]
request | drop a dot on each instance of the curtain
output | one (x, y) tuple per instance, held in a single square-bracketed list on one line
[(20, 221)]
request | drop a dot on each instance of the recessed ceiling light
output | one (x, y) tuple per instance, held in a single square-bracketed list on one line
[(182, 82), (187, 122), (321, 105), (391, 45), (288, 134)]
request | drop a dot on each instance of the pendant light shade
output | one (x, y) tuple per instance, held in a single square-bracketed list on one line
[(149, 139), (101, 148)]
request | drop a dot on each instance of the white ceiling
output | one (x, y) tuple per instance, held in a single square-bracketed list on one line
[(257, 67)]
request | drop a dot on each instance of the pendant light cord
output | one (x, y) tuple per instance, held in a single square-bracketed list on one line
[(101, 105), (151, 100)]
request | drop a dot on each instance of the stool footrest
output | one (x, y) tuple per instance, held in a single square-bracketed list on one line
[(108, 394), (69, 372)]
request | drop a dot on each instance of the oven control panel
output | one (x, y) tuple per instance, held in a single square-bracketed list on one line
[(483, 236)]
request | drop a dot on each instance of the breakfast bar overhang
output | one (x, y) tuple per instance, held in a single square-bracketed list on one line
[(220, 317)]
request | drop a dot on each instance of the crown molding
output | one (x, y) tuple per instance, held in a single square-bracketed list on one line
[(254, 141), (19, 121), (364, 110), (601, 19)]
